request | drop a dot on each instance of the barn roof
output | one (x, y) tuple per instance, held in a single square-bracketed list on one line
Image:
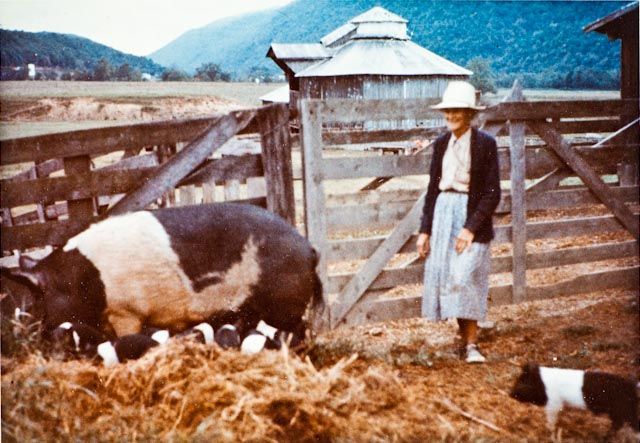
[(280, 95), (378, 14), (374, 42), (299, 51), (616, 23), (384, 57)]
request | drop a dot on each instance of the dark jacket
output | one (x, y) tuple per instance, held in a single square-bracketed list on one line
[(484, 185)]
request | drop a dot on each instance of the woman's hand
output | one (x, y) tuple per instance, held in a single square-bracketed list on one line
[(423, 246), (464, 240)]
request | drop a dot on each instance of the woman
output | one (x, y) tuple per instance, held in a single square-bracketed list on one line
[(456, 227)]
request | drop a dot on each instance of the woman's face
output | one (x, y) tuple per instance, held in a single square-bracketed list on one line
[(458, 120)]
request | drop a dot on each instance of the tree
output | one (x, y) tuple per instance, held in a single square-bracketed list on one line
[(103, 71), (174, 75), (125, 73), (212, 72), (482, 78)]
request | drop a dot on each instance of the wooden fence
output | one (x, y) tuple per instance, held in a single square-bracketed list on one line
[(535, 159), (61, 186)]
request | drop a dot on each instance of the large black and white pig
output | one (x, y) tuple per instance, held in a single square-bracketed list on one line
[(177, 267)]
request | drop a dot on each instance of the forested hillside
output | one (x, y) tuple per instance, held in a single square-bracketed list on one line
[(540, 41), (66, 52)]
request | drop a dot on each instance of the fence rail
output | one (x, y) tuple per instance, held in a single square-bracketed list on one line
[(62, 191), (546, 158)]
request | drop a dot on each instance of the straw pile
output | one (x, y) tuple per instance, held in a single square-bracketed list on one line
[(190, 391)]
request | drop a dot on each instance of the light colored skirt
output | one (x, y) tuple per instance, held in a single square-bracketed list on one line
[(455, 285)]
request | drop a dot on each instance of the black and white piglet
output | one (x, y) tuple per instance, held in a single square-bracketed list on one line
[(227, 336), (202, 332), (76, 338), (130, 347), (599, 392)]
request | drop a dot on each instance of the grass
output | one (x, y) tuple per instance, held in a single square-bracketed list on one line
[(243, 93)]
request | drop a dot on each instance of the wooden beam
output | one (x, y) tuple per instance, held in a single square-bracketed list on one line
[(276, 159), (386, 309), (588, 176), (315, 222), (518, 202), (184, 162), (542, 110), (80, 167), (350, 295), (549, 182)]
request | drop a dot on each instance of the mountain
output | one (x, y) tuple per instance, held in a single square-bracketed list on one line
[(544, 38), (64, 51)]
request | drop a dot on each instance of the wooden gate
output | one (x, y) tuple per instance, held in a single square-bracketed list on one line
[(64, 187), (543, 167)]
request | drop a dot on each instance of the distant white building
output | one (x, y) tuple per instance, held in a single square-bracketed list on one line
[(32, 71)]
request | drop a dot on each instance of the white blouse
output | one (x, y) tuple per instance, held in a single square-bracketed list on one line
[(456, 164)]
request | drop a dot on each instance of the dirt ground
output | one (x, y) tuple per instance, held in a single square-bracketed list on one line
[(397, 381)]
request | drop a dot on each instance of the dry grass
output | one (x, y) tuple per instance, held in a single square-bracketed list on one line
[(398, 381)]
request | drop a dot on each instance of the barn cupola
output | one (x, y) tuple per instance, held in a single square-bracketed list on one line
[(377, 23)]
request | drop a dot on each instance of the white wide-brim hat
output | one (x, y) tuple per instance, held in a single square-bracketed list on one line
[(459, 95)]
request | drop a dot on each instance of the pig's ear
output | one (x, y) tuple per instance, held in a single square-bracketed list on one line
[(27, 270)]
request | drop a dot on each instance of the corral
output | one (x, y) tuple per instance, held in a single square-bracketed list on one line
[(405, 383)]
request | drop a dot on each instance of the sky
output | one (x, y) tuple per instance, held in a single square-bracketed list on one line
[(136, 27)]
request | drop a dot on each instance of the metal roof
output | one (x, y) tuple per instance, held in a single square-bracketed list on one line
[(377, 14), (337, 34), (611, 23), (280, 95), (383, 57), (299, 51)]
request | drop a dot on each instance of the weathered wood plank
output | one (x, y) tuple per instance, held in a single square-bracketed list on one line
[(588, 176), (357, 249), (226, 168), (354, 137), (518, 202), (314, 199), (114, 138), (184, 162), (343, 111), (413, 274), (99, 182), (357, 286), (42, 169), (80, 167), (276, 159), (408, 307), (541, 110), (54, 233), (549, 182)]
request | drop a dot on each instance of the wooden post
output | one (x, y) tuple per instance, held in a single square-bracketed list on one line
[(209, 192), (315, 221), (81, 209), (276, 161), (518, 205)]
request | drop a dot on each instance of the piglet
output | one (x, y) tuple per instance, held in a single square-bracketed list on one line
[(202, 333), (278, 337), (598, 392), (130, 347), (255, 341), (76, 338), (227, 336)]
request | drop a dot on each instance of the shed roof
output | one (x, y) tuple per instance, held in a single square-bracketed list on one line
[(383, 57), (615, 24), (280, 95), (299, 51), (337, 34)]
